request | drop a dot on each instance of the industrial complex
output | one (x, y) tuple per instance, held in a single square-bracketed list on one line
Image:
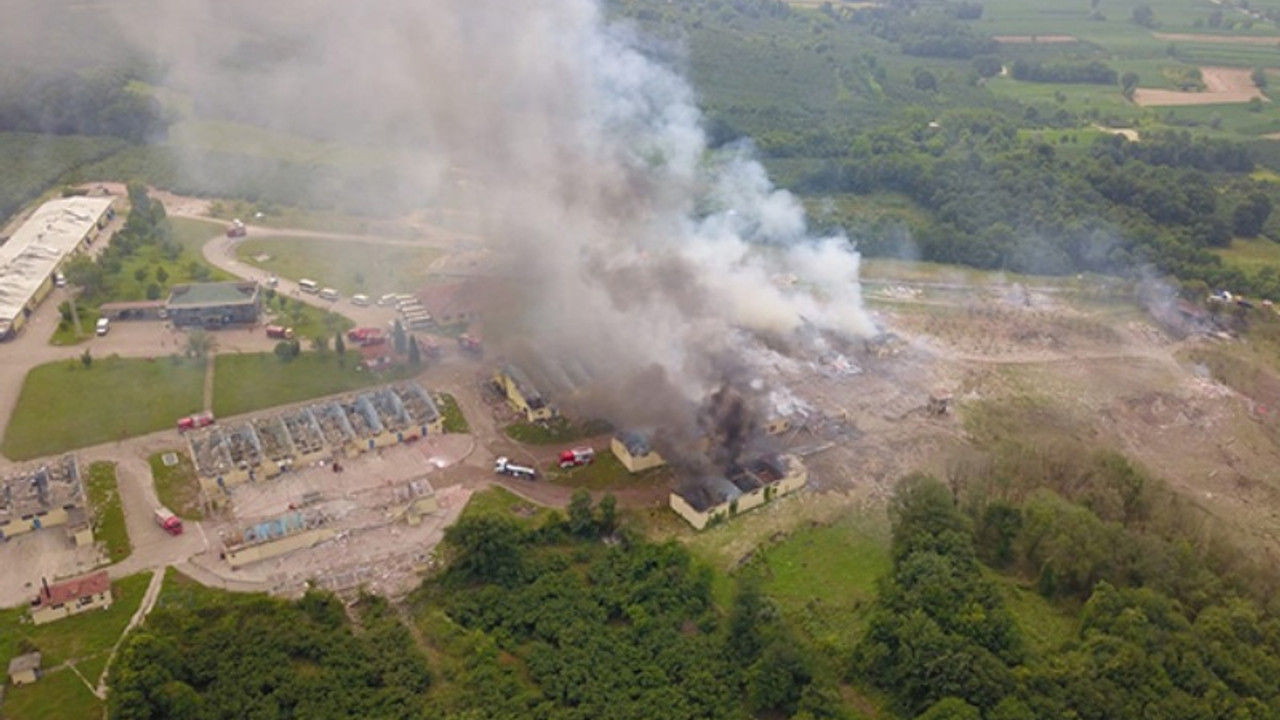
[(31, 257), (318, 434), (46, 495)]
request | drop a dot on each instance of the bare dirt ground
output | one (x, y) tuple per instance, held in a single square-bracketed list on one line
[(1127, 133), (1271, 40), (1222, 85), (1035, 39)]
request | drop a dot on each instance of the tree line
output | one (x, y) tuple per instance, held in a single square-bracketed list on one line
[(998, 200), (942, 644), (70, 103)]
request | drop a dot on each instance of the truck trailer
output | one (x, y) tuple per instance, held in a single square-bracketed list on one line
[(504, 466)]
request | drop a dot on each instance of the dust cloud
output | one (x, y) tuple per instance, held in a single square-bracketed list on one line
[(637, 256)]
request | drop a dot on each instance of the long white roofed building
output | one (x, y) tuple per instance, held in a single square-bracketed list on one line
[(28, 260)]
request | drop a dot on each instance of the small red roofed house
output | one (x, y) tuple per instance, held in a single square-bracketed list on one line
[(70, 597)]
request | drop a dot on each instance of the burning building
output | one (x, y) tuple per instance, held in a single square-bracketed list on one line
[(521, 394), (634, 449), (713, 499)]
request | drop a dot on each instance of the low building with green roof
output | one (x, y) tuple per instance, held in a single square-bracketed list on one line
[(213, 305)]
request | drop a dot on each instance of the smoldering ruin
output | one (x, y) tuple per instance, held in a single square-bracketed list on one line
[(629, 246)]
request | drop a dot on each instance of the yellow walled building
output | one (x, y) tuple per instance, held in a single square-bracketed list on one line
[(633, 450), (71, 597), (25, 669), (521, 395), (714, 500)]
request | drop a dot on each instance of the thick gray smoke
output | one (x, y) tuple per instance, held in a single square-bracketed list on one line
[(641, 262)]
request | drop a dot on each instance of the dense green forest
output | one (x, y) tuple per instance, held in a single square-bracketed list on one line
[(68, 103)]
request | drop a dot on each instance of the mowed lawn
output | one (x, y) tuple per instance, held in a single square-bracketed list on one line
[(248, 382), (64, 405), (349, 266)]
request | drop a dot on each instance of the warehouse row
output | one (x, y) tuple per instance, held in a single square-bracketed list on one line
[(324, 432)]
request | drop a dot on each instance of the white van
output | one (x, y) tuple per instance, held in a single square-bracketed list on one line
[(329, 294), (104, 326), (308, 286), (360, 300)]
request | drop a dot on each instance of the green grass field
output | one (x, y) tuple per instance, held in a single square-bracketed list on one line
[(232, 137), (454, 420), (179, 591), (1045, 626), (500, 503), (350, 267), (823, 578), (606, 473), (244, 383), (1251, 254), (84, 640), (59, 695), (557, 430), (64, 406), (192, 234), (108, 513), (176, 486)]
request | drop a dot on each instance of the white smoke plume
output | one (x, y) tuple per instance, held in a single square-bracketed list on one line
[(634, 253)]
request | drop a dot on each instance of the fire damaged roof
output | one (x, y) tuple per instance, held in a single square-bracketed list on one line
[(81, 587), (752, 475), (526, 387), (636, 442)]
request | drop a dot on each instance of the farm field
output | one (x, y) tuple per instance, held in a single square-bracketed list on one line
[(1222, 85)]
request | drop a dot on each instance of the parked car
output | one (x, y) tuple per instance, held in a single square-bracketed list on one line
[(59, 280), (279, 332), (104, 326), (360, 300), (329, 294), (388, 299)]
